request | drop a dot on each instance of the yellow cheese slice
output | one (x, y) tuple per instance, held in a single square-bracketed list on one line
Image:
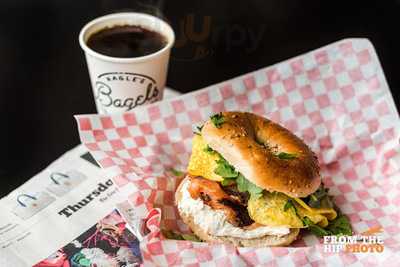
[(269, 210), (318, 216), (203, 163)]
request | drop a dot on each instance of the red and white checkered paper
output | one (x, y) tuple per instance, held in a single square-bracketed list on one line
[(335, 98)]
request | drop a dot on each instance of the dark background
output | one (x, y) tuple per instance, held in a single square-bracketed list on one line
[(44, 80)]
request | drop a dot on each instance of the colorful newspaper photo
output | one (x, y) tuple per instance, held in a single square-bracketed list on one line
[(107, 243)]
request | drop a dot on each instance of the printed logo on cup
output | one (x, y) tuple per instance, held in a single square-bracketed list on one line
[(122, 83), (145, 87)]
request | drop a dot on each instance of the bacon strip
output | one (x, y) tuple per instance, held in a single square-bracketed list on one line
[(214, 196)]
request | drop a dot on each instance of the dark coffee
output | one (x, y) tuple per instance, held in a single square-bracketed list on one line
[(126, 41)]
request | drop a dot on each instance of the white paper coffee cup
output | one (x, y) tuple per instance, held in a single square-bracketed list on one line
[(121, 84)]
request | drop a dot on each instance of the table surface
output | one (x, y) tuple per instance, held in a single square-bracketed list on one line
[(45, 81)]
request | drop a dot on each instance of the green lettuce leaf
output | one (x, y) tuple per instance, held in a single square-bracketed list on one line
[(314, 228), (245, 185), (191, 237), (217, 119), (319, 199), (340, 226), (208, 149), (225, 170), (289, 205), (284, 155), (170, 234), (231, 176), (176, 172)]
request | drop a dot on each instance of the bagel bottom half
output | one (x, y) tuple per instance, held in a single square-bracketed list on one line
[(264, 241)]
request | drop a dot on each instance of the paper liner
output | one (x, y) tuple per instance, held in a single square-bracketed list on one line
[(335, 98)]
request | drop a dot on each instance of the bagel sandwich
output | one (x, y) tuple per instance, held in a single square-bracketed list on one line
[(251, 182)]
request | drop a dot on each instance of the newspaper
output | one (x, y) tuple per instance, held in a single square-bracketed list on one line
[(66, 212), (70, 214)]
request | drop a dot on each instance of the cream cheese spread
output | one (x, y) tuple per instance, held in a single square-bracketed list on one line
[(215, 221)]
